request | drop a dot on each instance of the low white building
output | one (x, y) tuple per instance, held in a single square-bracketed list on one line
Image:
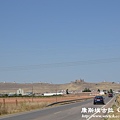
[(20, 91), (52, 94), (101, 93)]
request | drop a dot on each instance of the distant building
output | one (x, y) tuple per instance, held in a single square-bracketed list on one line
[(28, 94), (101, 93), (79, 81), (51, 94), (20, 91), (105, 91)]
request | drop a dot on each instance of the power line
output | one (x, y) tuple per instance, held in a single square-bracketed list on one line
[(61, 64)]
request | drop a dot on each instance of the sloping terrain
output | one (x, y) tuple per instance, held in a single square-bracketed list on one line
[(46, 87)]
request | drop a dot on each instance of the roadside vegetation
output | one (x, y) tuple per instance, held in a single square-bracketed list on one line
[(10, 108), (16, 104), (115, 108), (10, 105), (86, 90)]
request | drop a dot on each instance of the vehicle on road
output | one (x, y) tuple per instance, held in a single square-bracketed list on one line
[(98, 100), (110, 95)]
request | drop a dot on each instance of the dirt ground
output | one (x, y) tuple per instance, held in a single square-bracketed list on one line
[(40, 99)]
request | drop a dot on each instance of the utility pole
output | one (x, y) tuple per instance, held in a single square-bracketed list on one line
[(56, 93), (32, 91)]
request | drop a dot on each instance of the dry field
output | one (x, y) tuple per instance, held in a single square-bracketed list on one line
[(115, 108), (20, 104)]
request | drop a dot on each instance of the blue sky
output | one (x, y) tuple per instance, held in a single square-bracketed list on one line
[(38, 32)]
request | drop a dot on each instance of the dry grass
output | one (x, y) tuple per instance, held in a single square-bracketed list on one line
[(20, 107), (3, 109), (115, 107), (9, 105), (49, 99), (118, 100)]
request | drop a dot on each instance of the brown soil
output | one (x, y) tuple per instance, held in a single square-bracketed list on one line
[(45, 99)]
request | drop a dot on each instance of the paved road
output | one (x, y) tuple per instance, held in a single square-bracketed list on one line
[(64, 112)]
